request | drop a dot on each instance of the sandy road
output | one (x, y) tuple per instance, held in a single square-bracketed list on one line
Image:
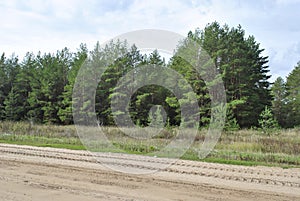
[(31, 173)]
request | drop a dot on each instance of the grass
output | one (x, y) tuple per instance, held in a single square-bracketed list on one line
[(244, 147), (41, 141)]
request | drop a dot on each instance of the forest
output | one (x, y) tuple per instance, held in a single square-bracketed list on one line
[(39, 87)]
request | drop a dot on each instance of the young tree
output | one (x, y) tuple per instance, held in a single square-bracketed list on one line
[(231, 123), (11, 105), (267, 121), (156, 118)]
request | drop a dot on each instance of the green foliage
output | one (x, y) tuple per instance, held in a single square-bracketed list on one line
[(279, 101), (9, 68), (11, 105), (267, 121), (243, 69), (40, 87), (231, 123), (65, 109), (3, 79), (156, 118), (293, 97)]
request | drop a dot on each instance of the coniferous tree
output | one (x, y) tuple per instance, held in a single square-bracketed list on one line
[(40, 87), (22, 86), (35, 96), (3, 80), (11, 103), (147, 96), (10, 69), (267, 121), (65, 109), (279, 101), (111, 58), (293, 97), (48, 86), (242, 67)]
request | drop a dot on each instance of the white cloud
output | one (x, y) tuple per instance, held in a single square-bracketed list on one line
[(32, 25)]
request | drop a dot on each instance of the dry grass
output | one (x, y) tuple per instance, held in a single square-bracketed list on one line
[(282, 147)]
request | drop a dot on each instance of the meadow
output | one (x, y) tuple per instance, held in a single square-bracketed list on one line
[(242, 147)]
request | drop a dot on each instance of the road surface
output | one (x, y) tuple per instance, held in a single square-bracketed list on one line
[(31, 173)]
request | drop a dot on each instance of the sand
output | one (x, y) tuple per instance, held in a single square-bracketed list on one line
[(30, 173)]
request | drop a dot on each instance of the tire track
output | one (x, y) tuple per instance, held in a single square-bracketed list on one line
[(193, 164), (226, 172)]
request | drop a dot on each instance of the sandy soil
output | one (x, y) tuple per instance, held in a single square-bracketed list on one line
[(31, 173)]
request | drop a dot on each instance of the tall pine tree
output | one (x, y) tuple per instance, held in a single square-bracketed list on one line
[(293, 97)]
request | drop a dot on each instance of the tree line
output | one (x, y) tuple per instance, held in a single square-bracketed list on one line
[(286, 99), (39, 87)]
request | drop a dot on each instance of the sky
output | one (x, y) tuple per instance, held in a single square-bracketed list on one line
[(51, 25)]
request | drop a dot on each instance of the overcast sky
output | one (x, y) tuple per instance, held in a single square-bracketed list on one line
[(50, 25)]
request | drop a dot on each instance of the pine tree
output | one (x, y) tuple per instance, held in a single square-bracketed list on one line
[(293, 97), (48, 86), (11, 104), (3, 81), (156, 118), (65, 110), (9, 68), (267, 121), (112, 58), (35, 95), (185, 66), (231, 122), (148, 96), (22, 86), (243, 69), (279, 101)]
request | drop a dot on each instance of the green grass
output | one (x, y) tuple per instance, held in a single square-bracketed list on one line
[(39, 141), (244, 147)]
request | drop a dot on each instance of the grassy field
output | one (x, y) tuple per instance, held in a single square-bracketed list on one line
[(244, 147)]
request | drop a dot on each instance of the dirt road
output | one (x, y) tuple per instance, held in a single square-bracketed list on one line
[(31, 173)]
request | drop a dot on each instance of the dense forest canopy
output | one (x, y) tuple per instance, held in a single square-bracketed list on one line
[(39, 87)]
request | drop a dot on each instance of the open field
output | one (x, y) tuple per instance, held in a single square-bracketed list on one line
[(32, 173), (246, 147)]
